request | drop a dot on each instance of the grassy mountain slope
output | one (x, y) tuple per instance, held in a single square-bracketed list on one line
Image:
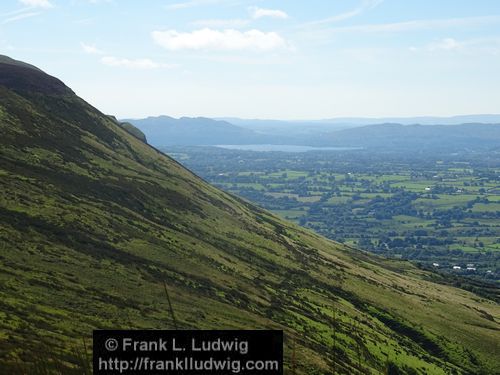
[(136, 132), (93, 221)]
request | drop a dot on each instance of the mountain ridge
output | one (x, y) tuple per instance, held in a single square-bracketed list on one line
[(417, 138), (23, 77), (165, 130), (93, 222), (408, 120)]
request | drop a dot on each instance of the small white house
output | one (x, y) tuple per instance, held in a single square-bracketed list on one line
[(457, 267), (471, 269), (435, 264)]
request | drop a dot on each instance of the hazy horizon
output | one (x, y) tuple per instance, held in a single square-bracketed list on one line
[(339, 118)]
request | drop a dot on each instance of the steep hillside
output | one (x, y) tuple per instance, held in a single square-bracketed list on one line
[(136, 132), (93, 221)]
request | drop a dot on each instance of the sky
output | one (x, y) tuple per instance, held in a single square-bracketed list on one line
[(265, 59)]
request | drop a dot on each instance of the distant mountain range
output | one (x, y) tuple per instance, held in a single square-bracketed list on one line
[(292, 128), (397, 137), (360, 121), (167, 131), (449, 137)]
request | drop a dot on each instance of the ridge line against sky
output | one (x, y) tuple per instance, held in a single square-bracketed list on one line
[(264, 58)]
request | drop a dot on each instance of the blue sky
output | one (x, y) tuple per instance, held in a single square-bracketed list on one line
[(265, 59)]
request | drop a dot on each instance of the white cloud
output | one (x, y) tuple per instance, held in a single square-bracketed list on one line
[(273, 13), (190, 4), (91, 49), (134, 64), (446, 44), (364, 6), (20, 17), (419, 25), (85, 21), (235, 23), (474, 47), (14, 12), (26, 12), (221, 23), (227, 40), (37, 3)]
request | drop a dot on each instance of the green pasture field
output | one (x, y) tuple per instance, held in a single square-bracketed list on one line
[(439, 211)]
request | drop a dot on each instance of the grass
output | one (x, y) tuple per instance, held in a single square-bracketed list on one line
[(374, 204), (94, 223)]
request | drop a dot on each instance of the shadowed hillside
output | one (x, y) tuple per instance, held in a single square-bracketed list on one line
[(94, 220)]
